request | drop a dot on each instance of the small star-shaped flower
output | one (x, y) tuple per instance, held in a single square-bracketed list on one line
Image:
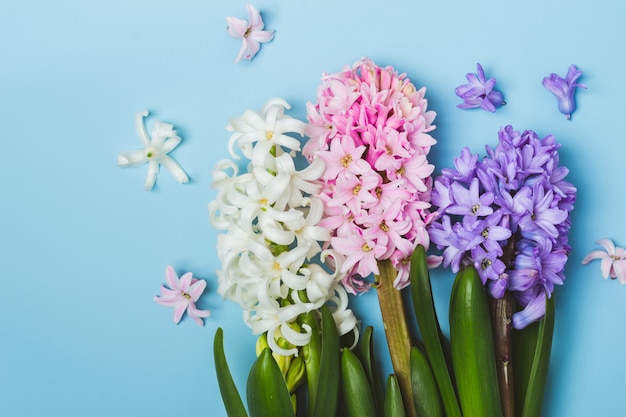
[(250, 32), (182, 295), (479, 92), (612, 260), (157, 146)]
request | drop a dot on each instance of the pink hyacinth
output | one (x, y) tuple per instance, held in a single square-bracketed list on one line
[(371, 128), (182, 295)]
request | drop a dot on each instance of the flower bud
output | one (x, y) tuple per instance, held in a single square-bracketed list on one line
[(261, 344), (295, 374)]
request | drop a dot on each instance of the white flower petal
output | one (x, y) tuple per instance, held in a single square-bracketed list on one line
[(153, 168), (288, 124), (294, 281), (131, 158), (272, 113), (175, 169), (170, 143), (160, 132), (141, 128), (274, 233), (276, 101), (221, 179), (271, 342), (295, 337)]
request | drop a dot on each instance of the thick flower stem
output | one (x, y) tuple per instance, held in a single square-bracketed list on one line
[(501, 321), (396, 330)]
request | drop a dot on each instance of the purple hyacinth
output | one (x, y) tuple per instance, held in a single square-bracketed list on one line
[(508, 215), (479, 92), (564, 89)]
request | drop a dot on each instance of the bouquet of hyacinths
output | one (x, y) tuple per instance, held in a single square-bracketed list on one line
[(297, 242)]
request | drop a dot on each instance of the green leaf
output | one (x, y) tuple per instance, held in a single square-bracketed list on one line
[(328, 388), (365, 352), (228, 390), (473, 355), (428, 323), (266, 390), (533, 346), (426, 398), (393, 399), (357, 392)]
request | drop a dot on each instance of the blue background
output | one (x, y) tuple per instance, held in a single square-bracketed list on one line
[(83, 247)]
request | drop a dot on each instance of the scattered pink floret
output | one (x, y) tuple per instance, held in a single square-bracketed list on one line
[(182, 295), (612, 260), (250, 32)]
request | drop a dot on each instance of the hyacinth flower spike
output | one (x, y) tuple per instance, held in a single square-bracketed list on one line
[(523, 192), (371, 128), (479, 93), (564, 89), (250, 32)]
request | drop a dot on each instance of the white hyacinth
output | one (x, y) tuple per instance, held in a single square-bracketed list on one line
[(273, 263), (157, 146)]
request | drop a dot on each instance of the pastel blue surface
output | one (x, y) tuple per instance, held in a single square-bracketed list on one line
[(84, 248)]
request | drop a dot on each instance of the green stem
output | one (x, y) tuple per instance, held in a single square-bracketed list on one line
[(501, 321), (396, 330)]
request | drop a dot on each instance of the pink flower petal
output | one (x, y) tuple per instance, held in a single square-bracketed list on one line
[(167, 302), (244, 50), (596, 254), (179, 310), (196, 289), (254, 17), (197, 314), (236, 27), (262, 35), (252, 47), (620, 271), (167, 294), (607, 244), (606, 266), (185, 282), (171, 278)]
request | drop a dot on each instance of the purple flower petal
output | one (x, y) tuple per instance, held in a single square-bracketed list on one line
[(534, 310)]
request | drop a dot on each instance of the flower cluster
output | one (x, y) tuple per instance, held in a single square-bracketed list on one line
[(271, 254), (508, 215), (371, 128)]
